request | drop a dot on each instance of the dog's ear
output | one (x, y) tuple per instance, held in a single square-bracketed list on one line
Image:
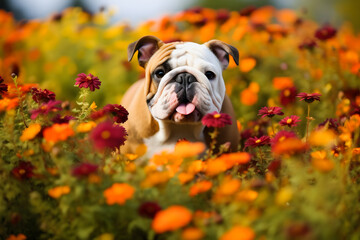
[(222, 51), (146, 47)]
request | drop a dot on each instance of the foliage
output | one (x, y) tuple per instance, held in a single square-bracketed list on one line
[(63, 178)]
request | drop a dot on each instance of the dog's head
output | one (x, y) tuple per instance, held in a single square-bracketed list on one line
[(183, 79)]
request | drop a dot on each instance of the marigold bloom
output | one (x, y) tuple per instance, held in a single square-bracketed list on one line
[(233, 159), (24, 170), (172, 218), (3, 87), (281, 83), (289, 146), (57, 192), (58, 132), (290, 121), (192, 233), (239, 233), (8, 104), (42, 96), (149, 209), (270, 111), (257, 142), (85, 126), (185, 177), (84, 169), (30, 132), (216, 120), (247, 195), (17, 237), (155, 178), (118, 193), (247, 64), (88, 81), (322, 137), (215, 167), (325, 32), (119, 112), (309, 97), (249, 96), (320, 162), (200, 187), (107, 135), (188, 149), (45, 108)]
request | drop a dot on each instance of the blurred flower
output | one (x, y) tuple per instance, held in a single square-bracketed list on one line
[(84, 169), (325, 32), (216, 120), (30, 132), (42, 96), (17, 237), (247, 64), (281, 83), (172, 218), (8, 104), (46, 108), (85, 126), (288, 96), (309, 97), (57, 192), (234, 159), (247, 11), (322, 137), (118, 193), (188, 149), (24, 170), (59, 119), (289, 146), (98, 114), (58, 132), (270, 111), (298, 231), (290, 121), (3, 87), (88, 81), (257, 142), (214, 167), (247, 195), (200, 187), (283, 196), (308, 44), (149, 209), (320, 161), (281, 136), (192, 233), (330, 123), (119, 112), (249, 96), (108, 135), (239, 233)]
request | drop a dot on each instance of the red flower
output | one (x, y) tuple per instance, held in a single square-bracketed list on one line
[(257, 142), (3, 87), (325, 32), (88, 81), (308, 44), (23, 171), (119, 112), (288, 96), (290, 121), (107, 135), (46, 108), (309, 97), (59, 119), (84, 169), (217, 120), (42, 96), (270, 111), (149, 209)]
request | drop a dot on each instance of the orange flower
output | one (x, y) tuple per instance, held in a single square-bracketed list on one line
[(249, 95), (186, 149), (58, 132), (322, 138), (7, 104), (286, 16), (247, 195), (200, 187), (192, 233), (18, 237), (262, 15), (85, 126), (30, 132), (247, 64), (155, 178), (239, 233), (57, 192), (215, 166), (281, 83), (118, 193), (320, 162), (171, 219), (233, 159), (227, 188), (185, 177), (289, 146)]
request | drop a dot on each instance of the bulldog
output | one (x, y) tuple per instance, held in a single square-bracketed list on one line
[(183, 82)]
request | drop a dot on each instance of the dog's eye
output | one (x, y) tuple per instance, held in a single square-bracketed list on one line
[(159, 73), (210, 75)]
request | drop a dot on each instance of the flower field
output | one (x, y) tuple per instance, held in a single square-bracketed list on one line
[(296, 94)]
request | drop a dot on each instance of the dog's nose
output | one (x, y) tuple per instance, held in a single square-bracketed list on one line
[(185, 78)]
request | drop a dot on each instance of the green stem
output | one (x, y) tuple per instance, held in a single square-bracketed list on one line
[(308, 123), (14, 77)]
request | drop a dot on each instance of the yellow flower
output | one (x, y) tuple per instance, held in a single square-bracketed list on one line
[(322, 138), (57, 192), (30, 132), (283, 196), (85, 127), (105, 236)]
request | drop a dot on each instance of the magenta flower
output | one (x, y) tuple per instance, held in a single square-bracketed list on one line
[(325, 32), (108, 135), (59, 119), (290, 121), (257, 142), (84, 169), (3, 87), (88, 81), (216, 120), (42, 96), (24, 170), (270, 111), (308, 44), (309, 97), (288, 96), (149, 209), (45, 108), (119, 112)]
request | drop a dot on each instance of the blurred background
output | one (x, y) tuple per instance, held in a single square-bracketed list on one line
[(137, 11)]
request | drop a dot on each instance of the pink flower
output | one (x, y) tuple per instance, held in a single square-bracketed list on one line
[(257, 142), (290, 121), (46, 108), (270, 111), (119, 112), (216, 120), (88, 81), (108, 135), (309, 97)]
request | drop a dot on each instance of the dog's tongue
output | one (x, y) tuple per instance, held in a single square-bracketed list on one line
[(185, 108)]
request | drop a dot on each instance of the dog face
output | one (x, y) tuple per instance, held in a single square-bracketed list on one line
[(184, 79)]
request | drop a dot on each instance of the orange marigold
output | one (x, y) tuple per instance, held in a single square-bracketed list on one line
[(30, 132), (171, 219), (192, 233), (281, 83), (118, 193), (18, 237), (57, 192), (200, 187), (249, 96), (58, 132), (239, 233), (188, 149), (247, 64)]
